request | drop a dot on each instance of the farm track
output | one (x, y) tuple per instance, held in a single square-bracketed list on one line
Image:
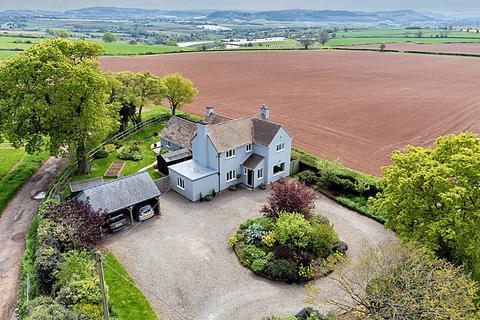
[(355, 106)]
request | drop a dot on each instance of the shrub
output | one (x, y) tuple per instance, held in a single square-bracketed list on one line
[(289, 195), (265, 222), (75, 265), (82, 225), (100, 154), (258, 265), (254, 234), (340, 246), (46, 260), (130, 152), (281, 269), (249, 253), (268, 239), (309, 177), (90, 311), (110, 147), (43, 308), (293, 231), (233, 240), (51, 233), (80, 291)]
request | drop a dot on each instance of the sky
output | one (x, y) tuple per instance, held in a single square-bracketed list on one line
[(361, 5)]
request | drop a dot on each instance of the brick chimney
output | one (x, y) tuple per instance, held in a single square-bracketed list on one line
[(264, 112)]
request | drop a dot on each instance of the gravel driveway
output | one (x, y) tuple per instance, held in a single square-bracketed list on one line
[(183, 258)]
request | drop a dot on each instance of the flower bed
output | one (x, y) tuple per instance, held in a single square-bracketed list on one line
[(289, 246)]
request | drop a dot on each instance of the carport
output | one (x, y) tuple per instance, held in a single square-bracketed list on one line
[(125, 193)]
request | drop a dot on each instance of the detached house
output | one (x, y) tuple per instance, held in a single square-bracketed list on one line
[(225, 152)]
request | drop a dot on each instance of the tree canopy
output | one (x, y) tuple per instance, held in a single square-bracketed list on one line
[(179, 91), (134, 91), (54, 95), (432, 196), (109, 37)]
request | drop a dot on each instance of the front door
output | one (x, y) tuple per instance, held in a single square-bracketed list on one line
[(250, 178)]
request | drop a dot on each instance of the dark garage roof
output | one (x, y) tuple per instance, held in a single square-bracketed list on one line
[(176, 155), (121, 193), (77, 186)]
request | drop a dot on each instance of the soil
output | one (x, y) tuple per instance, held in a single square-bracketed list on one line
[(356, 107), (465, 48), (14, 224)]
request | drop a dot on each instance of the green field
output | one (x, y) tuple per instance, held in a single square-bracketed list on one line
[(10, 157), (121, 48), (126, 300)]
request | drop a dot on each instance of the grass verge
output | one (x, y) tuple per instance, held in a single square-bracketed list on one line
[(126, 300), (18, 175)]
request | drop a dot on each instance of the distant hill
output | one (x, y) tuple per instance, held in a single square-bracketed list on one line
[(131, 13), (403, 16), (29, 13)]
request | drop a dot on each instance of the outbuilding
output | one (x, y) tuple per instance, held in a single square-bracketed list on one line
[(123, 195)]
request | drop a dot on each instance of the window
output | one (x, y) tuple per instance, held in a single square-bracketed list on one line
[(260, 174), (280, 146), (230, 154), (248, 148), (279, 168), (245, 171), (231, 175), (180, 183)]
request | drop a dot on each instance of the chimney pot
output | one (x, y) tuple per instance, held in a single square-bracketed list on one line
[(265, 112), (210, 110)]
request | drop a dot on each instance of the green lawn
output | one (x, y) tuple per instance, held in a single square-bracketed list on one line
[(125, 299), (15, 174)]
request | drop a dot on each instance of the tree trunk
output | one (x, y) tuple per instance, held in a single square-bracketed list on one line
[(174, 109), (83, 162), (139, 116)]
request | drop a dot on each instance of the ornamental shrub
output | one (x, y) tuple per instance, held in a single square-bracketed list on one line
[(249, 253), (289, 195), (254, 234), (44, 308), (293, 231), (75, 264), (281, 269), (100, 154), (268, 239), (80, 291), (258, 265), (110, 148), (46, 260), (130, 152), (51, 233), (82, 225)]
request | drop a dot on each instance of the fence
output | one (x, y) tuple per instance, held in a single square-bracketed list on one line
[(67, 174)]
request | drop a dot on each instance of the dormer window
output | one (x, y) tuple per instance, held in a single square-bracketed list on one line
[(230, 154), (280, 146), (248, 147)]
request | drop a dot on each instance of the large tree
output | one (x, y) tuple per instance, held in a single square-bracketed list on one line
[(109, 37), (55, 95), (179, 91), (134, 92), (432, 196)]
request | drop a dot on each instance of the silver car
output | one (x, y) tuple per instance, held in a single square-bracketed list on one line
[(145, 213)]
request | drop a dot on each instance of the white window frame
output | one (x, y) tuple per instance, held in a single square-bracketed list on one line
[(233, 154), (233, 174), (180, 183), (168, 144), (280, 146), (248, 148), (260, 174), (279, 172)]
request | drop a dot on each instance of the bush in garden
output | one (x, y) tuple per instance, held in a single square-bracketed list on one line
[(281, 269), (265, 222), (254, 233), (80, 291), (110, 147), (44, 308), (91, 311), (82, 225), (46, 260), (51, 233), (340, 246), (130, 152), (100, 154), (249, 253), (309, 177), (289, 195), (74, 264)]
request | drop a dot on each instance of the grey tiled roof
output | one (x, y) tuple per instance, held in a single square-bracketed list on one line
[(179, 131), (215, 118), (176, 155), (121, 193), (231, 134), (264, 131), (76, 186), (253, 161)]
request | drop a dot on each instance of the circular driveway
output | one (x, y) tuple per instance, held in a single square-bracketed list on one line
[(184, 265)]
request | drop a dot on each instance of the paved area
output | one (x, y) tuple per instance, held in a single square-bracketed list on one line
[(14, 224), (184, 264)]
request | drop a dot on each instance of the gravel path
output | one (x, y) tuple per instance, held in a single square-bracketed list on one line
[(184, 264), (14, 224)]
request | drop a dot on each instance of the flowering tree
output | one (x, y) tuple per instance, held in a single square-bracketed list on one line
[(289, 195)]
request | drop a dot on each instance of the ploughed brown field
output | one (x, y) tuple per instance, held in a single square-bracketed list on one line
[(353, 106), (465, 48)]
